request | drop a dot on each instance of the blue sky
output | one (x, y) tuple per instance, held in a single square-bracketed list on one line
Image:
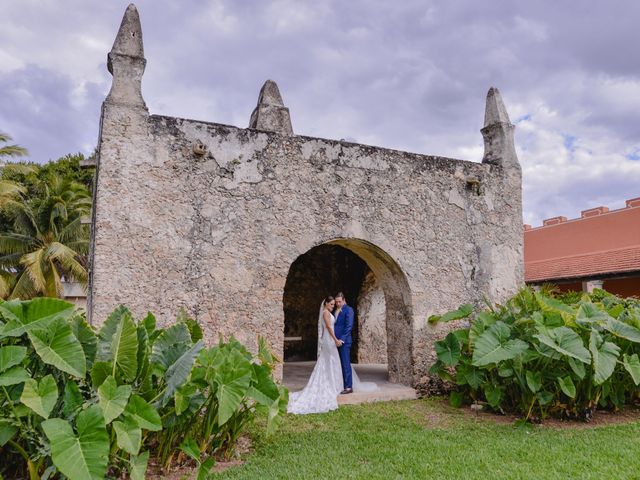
[(410, 75)]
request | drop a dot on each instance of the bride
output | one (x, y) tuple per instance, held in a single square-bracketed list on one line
[(325, 383)]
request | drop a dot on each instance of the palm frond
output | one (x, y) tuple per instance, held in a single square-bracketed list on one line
[(74, 231), (54, 282), (35, 265), (11, 261), (20, 168), (22, 217), (68, 261), (15, 243), (81, 247), (23, 289), (13, 151), (11, 189), (7, 282)]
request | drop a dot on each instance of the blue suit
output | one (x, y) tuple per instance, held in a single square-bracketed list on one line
[(342, 330)]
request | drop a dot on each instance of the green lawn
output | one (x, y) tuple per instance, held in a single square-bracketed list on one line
[(428, 439)]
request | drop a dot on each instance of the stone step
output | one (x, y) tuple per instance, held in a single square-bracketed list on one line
[(383, 395)]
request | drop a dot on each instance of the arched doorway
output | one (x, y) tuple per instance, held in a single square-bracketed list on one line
[(373, 284)]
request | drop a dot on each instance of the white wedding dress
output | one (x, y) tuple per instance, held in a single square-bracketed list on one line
[(325, 383)]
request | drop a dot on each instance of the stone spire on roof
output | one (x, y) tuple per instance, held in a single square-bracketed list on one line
[(499, 146), (126, 62), (270, 113)]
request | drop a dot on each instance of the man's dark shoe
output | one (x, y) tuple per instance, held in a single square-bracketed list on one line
[(346, 391)]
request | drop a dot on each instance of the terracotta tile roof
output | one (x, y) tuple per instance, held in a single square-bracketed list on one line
[(584, 265)]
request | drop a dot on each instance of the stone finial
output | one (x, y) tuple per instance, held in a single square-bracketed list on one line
[(499, 146), (126, 62), (270, 114), (495, 111)]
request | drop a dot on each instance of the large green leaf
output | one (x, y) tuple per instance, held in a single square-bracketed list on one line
[(577, 367), (112, 398), (31, 315), (7, 430), (118, 343), (57, 345), (493, 394), (191, 448), (232, 381), (448, 350), (40, 396), (14, 376), (567, 386), (263, 389), (277, 410), (179, 371), (124, 348), (589, 313), (107, 331), (544, 397), (461, 312), (622, 330), (143, 352), (83, 456), (605, 354), (632, 365), (566, 342), (494, 346), (87, 338), (72, 398), (195, 330), (144, 414), (183, 397), (10, 356), (170, 345), (534, 380), (149, 324), (129, 435), (264, 352), (553, 305), (468, 374), (138, 467), (99, 372)]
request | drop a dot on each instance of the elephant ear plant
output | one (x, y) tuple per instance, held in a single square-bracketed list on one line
[(92, 405), (540, 355)]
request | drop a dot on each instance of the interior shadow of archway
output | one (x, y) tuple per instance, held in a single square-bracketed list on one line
[(342, 265)]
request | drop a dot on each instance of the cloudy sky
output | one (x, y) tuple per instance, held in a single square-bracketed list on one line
[(410, 75)]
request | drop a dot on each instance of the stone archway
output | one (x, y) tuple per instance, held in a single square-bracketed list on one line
[(374, 285)]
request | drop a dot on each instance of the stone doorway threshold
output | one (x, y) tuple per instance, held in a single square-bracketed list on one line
[(296, 375)]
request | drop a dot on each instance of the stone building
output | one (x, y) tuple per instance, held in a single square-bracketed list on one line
[(249, 228)]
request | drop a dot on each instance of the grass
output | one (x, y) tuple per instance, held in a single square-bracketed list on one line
[(429, 439)]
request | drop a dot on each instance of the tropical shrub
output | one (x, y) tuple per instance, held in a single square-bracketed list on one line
[(96, 404), (43, 239), (539, 355)]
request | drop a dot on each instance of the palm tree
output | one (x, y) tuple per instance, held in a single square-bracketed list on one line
[(48, 242), (10, 150), (10, 190)]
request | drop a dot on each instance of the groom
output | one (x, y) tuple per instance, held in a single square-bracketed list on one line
[(342, 331)]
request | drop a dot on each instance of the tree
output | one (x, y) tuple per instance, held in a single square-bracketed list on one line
[(11, 190), (47, 240), (10, 150)]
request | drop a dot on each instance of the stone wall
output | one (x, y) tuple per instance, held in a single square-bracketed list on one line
[(372, 325), (211, 217)]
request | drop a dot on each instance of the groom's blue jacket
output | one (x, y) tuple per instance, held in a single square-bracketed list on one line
[(344, 325)]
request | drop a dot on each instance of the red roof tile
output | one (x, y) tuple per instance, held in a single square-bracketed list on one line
[(584, 265)]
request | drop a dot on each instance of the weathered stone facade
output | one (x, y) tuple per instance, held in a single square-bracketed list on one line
[(211, 218)]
